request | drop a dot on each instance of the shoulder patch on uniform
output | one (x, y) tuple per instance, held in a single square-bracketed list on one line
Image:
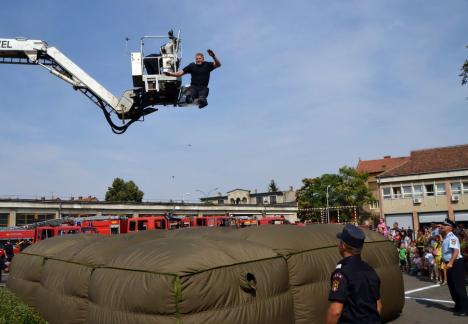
[(337, 275), (453, 241), (336, 279), (338, 266), (335, 285)]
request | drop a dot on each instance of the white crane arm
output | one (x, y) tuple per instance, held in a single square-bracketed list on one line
[(24, 51)]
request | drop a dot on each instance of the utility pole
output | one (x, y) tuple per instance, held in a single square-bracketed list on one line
[(328, 208)]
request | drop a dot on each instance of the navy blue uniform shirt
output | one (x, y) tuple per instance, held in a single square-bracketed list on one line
[(356, 284)]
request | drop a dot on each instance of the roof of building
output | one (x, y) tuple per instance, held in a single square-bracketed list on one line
[(440, 159), (238, 189), (380, 165)]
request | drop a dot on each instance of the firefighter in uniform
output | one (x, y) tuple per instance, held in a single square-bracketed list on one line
[(355, 286), (453, 260)]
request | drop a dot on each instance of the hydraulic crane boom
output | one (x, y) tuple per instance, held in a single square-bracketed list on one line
[(133, 105)]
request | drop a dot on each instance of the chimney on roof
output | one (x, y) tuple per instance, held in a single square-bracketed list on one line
[(387, 156), (255, 190), (291, 188)]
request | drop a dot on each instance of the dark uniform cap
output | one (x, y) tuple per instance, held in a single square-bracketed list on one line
[(448, 222), (352, 236)]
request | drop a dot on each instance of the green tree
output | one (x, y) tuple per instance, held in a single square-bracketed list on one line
[(347, 188), (125, 191), (272, 187), (464, 74), (313, 193)]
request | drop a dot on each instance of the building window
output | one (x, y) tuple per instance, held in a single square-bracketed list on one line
[(26, 219), (456, 188), (396, 192), (4, 220), (244, 200), (272, 199), (417, 191), (440, 189), (258, 200), (429, 190), (220, 201), (465, 187), (407, 191), (374, 205), (386, 192)]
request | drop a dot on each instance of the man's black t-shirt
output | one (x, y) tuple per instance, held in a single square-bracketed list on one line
[(200, 73)]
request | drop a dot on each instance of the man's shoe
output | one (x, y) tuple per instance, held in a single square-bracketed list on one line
[(460, 314), (202, 103)]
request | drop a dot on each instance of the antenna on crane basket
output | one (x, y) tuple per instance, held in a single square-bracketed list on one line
[(126, 43)]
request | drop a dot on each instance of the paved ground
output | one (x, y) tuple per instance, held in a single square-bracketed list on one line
[(426, 302)]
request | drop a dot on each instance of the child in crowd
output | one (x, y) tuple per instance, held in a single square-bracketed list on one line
[(412, 253), (437, 252), (441, 265), (429, 260), (415, 264), (403, 256), (405, 239), (382, 227)]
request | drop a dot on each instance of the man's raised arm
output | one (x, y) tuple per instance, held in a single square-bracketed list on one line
[(216, 62)]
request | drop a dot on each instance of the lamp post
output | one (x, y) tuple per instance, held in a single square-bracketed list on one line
[(328, 209)]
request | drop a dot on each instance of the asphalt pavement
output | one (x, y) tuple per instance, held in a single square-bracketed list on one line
[(427, 302)]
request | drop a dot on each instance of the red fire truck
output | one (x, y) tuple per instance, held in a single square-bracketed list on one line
[(38, 233), (214, 221), (276, 220)]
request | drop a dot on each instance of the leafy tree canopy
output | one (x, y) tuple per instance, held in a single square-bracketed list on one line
[(272, 187), (347, 188), (464, 74), (125, 191)]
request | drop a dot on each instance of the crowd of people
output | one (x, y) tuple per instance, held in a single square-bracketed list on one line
[(420, 252)]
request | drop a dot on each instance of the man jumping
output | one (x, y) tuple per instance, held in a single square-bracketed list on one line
[(200, 71)]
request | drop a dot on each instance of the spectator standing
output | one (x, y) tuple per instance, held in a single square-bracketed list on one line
[(429, 259), (409, 231), (434, 232), (403, 256), (437, 252), (416, 265), (405, 239), (420, 241), (412, 251), (382, 227), (2, 263), (9, 251)]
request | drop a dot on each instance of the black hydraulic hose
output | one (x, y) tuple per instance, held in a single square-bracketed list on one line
[(117, 129)]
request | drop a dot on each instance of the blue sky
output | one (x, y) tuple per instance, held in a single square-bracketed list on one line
[(305, 88)]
